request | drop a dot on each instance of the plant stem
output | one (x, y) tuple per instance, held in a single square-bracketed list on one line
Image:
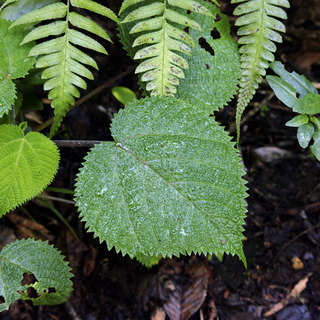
[(12, 116), (76, 143)]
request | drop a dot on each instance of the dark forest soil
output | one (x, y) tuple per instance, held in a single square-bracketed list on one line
[(282, 228)]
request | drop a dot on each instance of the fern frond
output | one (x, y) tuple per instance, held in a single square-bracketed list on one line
[(161, 33), (259, 29), (65, 64), (6, 3)]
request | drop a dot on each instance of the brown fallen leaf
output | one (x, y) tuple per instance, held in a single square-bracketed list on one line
[(292, 296), (183, 287), (27, 228)]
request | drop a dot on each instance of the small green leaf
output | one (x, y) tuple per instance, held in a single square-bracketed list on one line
[(28, 164), (316, 122), (123, 94), (284, 91), (305, 133), (315, 148), (309, 104), (298, 121), (301, 84), (171, 183), (52, 274)]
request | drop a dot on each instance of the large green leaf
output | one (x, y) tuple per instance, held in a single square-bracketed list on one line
[(51, 274), (14, 63), (169, 184), (214, 64), (28, 164)]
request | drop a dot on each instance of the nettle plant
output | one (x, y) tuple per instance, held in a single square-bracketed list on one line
[(171, 181)]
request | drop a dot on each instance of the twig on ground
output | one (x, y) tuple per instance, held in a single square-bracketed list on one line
[(293, 295), (295, 238)]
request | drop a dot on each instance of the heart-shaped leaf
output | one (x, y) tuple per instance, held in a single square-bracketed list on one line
[(42, 265), (170, 184), (28, 164)]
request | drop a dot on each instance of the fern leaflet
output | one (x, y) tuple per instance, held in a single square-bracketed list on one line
[(259, 29), (62, 60), (161, 33)]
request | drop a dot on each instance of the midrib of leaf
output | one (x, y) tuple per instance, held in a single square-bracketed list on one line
[(176, 134), (248, 91), (164, 48), (65, 48), (20, 154), (160, 176), (256, 54), (147, 165), (171, 185), (118, 145)]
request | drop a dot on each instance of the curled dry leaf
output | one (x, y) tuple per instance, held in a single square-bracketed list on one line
[(183, 287)]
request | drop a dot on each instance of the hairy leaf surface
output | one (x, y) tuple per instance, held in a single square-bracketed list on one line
[(28, 257), (14, 63), (259, 29), (169, 184), (65, 64), (214, 64), (28, 164)]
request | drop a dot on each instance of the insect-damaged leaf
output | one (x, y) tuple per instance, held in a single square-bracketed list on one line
[(50, 273)]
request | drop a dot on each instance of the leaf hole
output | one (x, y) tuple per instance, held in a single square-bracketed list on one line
[(217, 18), (187, 30), (215, 34), (2, 300), (205, 45), (188, 11), (32, 293), (52, 290), (28, 278)]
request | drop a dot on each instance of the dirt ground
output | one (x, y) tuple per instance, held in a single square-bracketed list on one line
[(282, 228)]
